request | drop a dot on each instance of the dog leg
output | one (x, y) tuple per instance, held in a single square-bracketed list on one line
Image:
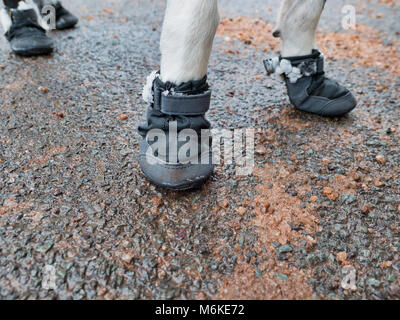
[(186, 41), (297, 25)]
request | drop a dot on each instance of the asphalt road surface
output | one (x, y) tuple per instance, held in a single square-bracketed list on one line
[(317, 219)]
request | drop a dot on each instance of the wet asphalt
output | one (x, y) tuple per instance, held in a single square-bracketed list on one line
[(73, 199)]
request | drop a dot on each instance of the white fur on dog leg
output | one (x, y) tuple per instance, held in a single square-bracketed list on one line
[(285, 4), (5, 20), (147, 93), (186, 41), (298, 21)]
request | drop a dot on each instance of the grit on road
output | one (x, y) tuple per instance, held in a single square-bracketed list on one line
[(323, 199)]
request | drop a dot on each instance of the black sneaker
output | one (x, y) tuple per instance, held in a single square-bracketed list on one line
[(64, 18), (26, 36)]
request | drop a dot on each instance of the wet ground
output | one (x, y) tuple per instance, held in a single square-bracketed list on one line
[(321, 207)]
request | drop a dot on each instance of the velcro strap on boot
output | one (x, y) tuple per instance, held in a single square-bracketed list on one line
[(310, 67), (295, 68), (172, 103)]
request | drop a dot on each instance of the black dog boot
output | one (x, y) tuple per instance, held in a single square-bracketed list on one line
[(308, 89), (175, 152), (26, 36), (64, 18)]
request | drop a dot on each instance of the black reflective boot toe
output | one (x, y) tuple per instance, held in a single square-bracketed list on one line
[(170, 175), (64, 18), (308, 89), (26, 36), (175, 152)]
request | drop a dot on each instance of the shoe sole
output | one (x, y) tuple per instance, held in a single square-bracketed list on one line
[(331, 114), (183, 187), (33, 52), (189, 185), (195, 183), (68, 26)]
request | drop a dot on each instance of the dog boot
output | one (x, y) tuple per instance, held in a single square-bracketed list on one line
[(64, 18), (25, 35), (308, 88), (175, 152)]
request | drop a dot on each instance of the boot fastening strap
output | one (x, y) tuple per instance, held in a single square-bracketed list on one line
[(179, 104), (308, 66), (294, 68)]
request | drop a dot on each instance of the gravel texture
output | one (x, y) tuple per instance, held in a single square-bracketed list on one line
[(324, 196)]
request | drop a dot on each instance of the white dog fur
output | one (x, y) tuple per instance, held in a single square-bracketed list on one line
[(186, 40), (297, 25), (5, 18)]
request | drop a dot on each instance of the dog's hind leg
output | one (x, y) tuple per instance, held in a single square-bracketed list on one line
[(297, 23), (303, 65)]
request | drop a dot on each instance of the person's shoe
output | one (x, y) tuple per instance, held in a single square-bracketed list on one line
[(26, 36), (175, 153), (64, 18), (308, 89)]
